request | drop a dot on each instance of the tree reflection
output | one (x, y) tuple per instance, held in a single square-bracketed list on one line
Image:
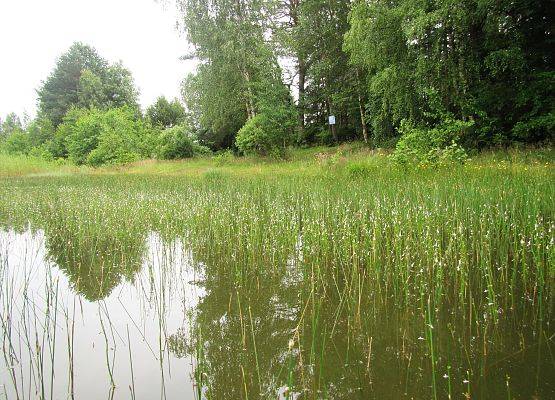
[(95, 257), (344, 346), (262, 305)]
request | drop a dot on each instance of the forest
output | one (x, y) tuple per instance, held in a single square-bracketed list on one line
[(433, 80)]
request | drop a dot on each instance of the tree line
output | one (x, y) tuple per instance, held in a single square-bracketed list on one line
[(88, 113), (433, 78)]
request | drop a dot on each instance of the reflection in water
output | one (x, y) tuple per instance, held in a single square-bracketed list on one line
[(60, 342), (241, 332), (95, 258), (91, 312), (284, 331)]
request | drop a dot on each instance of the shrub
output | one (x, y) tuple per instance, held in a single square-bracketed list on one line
[(254, 136), (149, 140), (81, 135), (40, 131), (98, 137), (59, 143), (431, 146), (176, 143), (266, 135), (324, 136), (200, 150), (42, 152), (224, 157), (542, 126), (18, 142), (114, 148)]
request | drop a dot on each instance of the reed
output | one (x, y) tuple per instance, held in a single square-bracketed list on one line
[(418, 271)]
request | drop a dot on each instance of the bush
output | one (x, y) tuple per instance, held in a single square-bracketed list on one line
[(40, 131), (538, 127), (114, 148), (254, 136), (81, 135), (324, 136), (98, 137), (18, 142), (175, 143), (200, 150), (431, 146), (42, 152), (59, 143), (266, 135)]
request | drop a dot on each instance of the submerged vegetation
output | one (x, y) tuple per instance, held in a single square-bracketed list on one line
[(342, 276)]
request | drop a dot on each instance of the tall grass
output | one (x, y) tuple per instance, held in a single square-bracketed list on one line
[(350, 278), (19, 165)]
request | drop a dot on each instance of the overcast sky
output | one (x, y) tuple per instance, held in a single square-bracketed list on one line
[(140, 33)]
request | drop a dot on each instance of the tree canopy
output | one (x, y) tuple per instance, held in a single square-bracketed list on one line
[(432, 78), (166, 114), (82, 78)]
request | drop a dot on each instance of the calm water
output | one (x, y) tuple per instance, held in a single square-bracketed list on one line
[(151, 319)]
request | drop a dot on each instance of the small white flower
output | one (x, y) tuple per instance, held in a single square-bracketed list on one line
[(291, 343)]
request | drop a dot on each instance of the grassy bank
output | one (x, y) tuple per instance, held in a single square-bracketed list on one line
[(354, 159)]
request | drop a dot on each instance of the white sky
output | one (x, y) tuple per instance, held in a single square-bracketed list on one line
[(140, 33)]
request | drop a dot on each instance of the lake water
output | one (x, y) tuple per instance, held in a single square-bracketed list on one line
[(154, 320)]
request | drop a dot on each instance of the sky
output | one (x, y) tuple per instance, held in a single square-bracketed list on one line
[(140, 33)]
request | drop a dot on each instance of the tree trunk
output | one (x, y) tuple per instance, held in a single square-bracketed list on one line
[(362, 119), (361, 110), (250, 103), (302, 82)]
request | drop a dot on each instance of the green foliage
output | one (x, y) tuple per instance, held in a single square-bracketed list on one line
[(59, 144), (500, 77), (213, 97), (201, 150), (431, 146), (104, 137), (333, 86), (18, 143), (82, 137), (265, 135), (82, 78), (271, 130), (175, 143), (40, 131), (383, 68), (11, 124), (41, 151), (542, 126), (324, 136), (166, 114), (224, 157), (255, 136), (238, 67)]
